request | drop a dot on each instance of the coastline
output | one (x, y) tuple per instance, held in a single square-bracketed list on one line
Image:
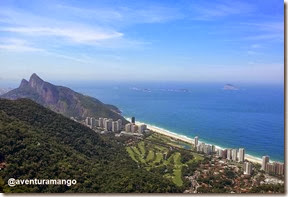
[(189, 140)]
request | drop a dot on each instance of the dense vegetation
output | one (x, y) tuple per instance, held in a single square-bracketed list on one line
[(269, 188), (38, 143)]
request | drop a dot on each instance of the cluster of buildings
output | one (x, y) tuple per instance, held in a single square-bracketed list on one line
[(275, 168), (108, 125), (202, 147), (105, 123), (229, 154), (237, 155), (133, 128)]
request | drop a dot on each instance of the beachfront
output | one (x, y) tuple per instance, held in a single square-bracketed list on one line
[(189, 140)]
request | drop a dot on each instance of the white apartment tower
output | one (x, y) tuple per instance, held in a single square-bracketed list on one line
[(241, 154), (247, 168), (229, 153), (128, 127), (213, 149), (114, 126), (88, 121), (119, 125), (101, 123), (234, 154), (108, 124), (134, 128), (93, 122), (142, 128), (279, 168), (220, 152)]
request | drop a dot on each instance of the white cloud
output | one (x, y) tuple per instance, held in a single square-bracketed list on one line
[(73, 34), (17, 45), (18, 48), (62, 31), (98, 26)]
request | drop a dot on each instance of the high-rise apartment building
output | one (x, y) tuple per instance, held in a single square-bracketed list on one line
[(241, 154), (196, 141), (265, 160), (247, 168)]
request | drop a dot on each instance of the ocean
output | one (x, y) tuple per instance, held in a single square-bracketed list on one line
[(251, 117)]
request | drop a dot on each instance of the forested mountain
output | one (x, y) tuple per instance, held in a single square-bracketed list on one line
[(36, 142), (62, 100)]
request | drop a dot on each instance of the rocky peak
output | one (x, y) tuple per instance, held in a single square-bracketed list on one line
[(24, 83), (35, 80)]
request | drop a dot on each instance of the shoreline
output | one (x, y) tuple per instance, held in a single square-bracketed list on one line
[(190, 140)]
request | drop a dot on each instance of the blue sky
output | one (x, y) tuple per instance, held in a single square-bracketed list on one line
[(171, 40)]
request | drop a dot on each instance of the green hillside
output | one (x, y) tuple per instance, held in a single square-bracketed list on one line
[(36, 142)]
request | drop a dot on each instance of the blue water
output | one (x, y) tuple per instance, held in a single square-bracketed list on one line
[(251, 117)]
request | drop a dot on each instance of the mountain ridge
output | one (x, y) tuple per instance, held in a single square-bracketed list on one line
[(62, 99)]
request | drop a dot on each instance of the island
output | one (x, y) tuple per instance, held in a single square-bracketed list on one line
[(230, 87)]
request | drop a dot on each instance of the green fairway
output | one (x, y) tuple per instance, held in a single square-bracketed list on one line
[(141, 147), (177, 179), (135, 149), (177, 157), (159, 157), (160, 148), (150, 156), (131, 153), (197, 157), (159, 151), (169, 160), (138, 155)]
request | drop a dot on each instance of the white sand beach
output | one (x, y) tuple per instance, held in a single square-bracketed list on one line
[(190, 140)]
